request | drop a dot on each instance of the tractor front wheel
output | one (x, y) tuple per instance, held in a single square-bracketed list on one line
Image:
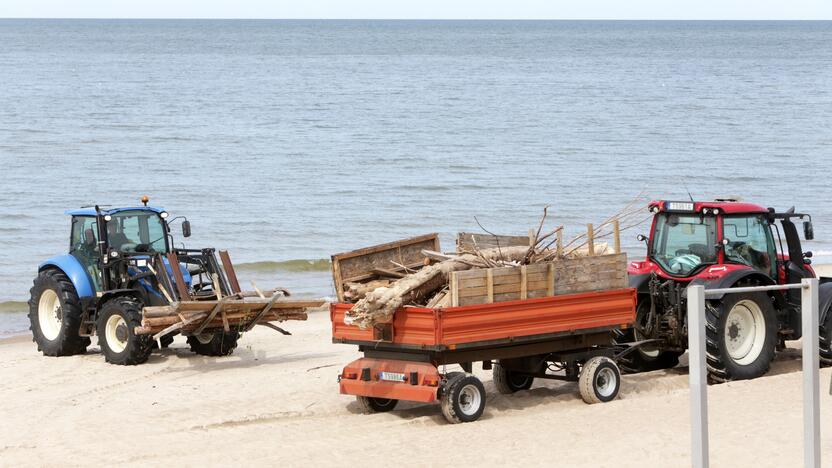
[(214, 344), (117, 322), (55, 315), (741, 336)]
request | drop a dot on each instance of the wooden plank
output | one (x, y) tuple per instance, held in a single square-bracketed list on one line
[(230, 274), (181, 287), (550, 279), (468, 241), (454, 288), (616, 232), (489, 286), (523, 283), (590, 239)]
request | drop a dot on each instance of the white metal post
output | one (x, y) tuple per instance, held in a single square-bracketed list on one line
[(697, 371), (811, 383)]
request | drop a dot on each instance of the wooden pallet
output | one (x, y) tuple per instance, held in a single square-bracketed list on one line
[(567, 276), (365, 264)]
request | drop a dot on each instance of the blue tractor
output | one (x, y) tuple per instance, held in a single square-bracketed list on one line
[(120, 261)]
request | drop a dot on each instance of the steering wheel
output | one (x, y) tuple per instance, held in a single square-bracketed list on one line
[(128, 247)]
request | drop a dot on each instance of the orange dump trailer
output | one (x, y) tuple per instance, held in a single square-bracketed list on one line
[(564, 337)]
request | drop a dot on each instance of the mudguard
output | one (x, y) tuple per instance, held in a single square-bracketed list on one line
[(640, 283), (731, 279), (74, 270)]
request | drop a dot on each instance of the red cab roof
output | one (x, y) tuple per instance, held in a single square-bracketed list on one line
[(727, 207)]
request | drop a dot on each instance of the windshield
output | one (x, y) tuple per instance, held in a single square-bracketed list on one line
[(137, 231), (681, 242)]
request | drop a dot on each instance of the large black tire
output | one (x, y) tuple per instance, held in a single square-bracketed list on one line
[(645, 358), (508, 381), (116, 325), (740, 321), (463, 398), (214, 344), (826, 340), (61, 336), (371, 405)]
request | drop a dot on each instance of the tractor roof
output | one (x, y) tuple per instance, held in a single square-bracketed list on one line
[(724, 206), (110, 211)]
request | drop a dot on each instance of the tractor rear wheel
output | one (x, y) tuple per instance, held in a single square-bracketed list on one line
[(214, 344), (741, 336), (826, 340), (117, 322), (55, 315)]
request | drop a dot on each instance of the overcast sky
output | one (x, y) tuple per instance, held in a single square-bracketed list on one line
[(421, 9)]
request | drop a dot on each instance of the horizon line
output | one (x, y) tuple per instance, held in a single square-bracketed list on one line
[(189, 18)]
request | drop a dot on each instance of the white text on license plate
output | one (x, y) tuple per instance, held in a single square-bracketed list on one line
[(392, 376)]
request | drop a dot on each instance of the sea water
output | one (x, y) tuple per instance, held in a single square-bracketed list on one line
[(287, 141)]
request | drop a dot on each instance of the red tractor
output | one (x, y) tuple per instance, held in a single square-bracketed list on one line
[(723, 244)]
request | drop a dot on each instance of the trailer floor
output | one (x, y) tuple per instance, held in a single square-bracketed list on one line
[(276, 402)]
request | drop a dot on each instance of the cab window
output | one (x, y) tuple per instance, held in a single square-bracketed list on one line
[(83, 245), (749, 242)]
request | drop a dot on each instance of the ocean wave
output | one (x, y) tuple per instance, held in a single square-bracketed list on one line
[(298, 265), (13, 307)]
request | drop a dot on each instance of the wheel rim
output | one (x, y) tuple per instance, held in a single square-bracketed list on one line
[(50, 314), (605, 382), (469, 400), (116, 333), (205, 338), (745, 332)]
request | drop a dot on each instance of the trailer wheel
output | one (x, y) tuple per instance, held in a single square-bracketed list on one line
[(214, 344), (463, 398), (826, 340), (600, 380), (376, 405), (116, 326), (55, 315), (741, 336), (508, 381)]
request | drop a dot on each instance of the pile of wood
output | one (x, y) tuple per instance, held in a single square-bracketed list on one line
[(237, 312), (485, 268)]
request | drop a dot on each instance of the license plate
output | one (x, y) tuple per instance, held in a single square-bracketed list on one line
[(392, 376)]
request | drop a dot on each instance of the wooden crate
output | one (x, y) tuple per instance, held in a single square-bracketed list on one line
[(467, 241), (361, 265), (569, 276)]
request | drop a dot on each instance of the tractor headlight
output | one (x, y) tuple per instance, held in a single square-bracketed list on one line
[(108, 218), (716, 210), (164, 214), (114, 253)]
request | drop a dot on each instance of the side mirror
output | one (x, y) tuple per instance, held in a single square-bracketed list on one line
[(186, 228), (641, 238), (808, 230)]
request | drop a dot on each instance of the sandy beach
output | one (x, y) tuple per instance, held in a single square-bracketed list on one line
[(276, 402)]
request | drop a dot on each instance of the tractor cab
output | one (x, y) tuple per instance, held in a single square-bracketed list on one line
[(100, 238), (708, 240)]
